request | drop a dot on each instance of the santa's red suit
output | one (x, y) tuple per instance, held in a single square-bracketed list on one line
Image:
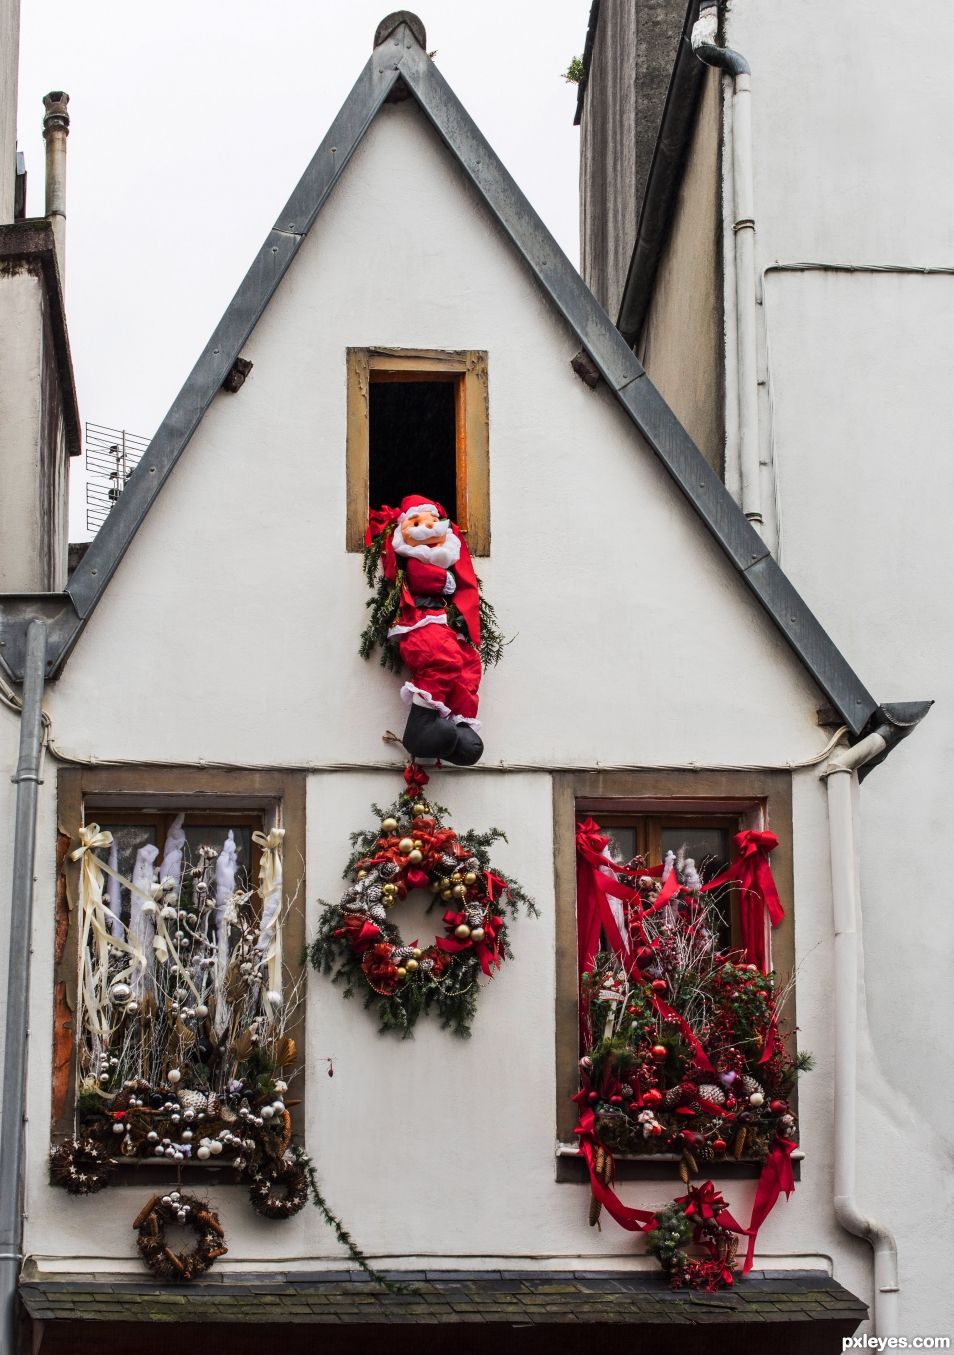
[(444, 668)]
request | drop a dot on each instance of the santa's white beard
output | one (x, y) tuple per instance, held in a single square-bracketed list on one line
[(445, 556)]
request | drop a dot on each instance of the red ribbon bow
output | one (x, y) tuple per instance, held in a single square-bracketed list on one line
[(415, 778), (758, 895), (488, 949)]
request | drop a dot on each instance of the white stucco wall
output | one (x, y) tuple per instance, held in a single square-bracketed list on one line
[(9, 71), (229, 633), (846, 141), (22, 307)]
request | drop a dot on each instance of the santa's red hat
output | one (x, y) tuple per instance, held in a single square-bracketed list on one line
[(417, 503)]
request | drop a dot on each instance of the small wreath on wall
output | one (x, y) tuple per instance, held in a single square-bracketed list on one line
[(279, 1189), (80, 1166), (190, 1212), (410, 849)]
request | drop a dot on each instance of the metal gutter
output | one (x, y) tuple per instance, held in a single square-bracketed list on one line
[(402, 57), (19, 948), (663, 182)]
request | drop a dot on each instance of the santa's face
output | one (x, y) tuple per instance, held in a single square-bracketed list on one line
[(424, 529)]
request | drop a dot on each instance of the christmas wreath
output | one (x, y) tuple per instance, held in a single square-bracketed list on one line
[(279, 1189), (187, 1211), (683, 1055), (81, 1166), (411, 848)]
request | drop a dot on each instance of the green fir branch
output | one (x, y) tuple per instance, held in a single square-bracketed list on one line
[(340, 1232)]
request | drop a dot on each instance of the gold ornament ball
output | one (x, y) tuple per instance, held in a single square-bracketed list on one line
[(402, 972), (460, 891), (388, 825), (418, 843), (446, 894), (410, 965), (417, 953), (415, 857), (456, 877), (362, 874), (419, 808), (462, 932), (389, 889), (470, 878), (405, 845), (477, 934)]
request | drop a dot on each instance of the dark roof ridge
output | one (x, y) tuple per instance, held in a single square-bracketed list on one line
[(400, 56)]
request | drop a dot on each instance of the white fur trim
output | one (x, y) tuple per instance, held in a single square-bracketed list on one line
[(419, 697), (438, 619)]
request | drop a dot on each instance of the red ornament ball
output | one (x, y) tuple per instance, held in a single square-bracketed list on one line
[(718, 1145), (653, 1097), (659, 1052), (659, 985)]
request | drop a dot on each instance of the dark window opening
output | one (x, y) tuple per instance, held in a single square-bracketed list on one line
[(413, 441)]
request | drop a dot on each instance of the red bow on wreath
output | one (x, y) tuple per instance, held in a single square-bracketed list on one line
[(705, 1204), (487, 948), (360, 933), (380, 969)]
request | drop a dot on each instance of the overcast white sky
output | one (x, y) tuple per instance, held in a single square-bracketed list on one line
[(192, 121)]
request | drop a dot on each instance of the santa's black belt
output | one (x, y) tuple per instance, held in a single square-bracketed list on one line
[(430, 604)]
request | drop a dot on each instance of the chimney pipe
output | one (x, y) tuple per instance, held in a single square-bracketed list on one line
[(56, 128)]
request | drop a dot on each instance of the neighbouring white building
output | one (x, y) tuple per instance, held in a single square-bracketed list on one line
[(665, 675)]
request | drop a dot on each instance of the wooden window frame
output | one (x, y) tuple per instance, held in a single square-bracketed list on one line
[(97, 794), (757, 799), (467, 368)]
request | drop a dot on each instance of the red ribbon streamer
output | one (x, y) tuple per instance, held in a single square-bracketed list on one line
[(757, 892), (776, 1176), (634, 1220)]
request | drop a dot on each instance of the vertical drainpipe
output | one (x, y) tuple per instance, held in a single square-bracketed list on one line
[(839, 776), (20, 940), (56, 128), (743, 226)]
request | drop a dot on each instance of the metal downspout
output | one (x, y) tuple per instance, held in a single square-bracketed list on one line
[(839, 776), (743, 226), (27, 780)]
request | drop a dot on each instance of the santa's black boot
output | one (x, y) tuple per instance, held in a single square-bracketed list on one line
[(468, 747), (427, 734)]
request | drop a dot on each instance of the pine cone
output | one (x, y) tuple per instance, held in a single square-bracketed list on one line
[(709, 1091), (738, 1146)]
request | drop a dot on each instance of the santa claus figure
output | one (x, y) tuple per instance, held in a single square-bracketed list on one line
[(443, 664)]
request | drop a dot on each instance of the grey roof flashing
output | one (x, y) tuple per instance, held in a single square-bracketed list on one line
[(401, 57)]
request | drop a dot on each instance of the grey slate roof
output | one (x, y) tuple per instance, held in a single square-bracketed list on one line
[(400, 57), (452, 1297)]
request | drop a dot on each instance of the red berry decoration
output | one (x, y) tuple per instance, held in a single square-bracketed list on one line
[(653, 1097)]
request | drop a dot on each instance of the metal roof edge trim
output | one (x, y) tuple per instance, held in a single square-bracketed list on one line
[(345, 134)]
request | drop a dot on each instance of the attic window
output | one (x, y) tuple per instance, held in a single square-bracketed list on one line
[(417, 423)]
